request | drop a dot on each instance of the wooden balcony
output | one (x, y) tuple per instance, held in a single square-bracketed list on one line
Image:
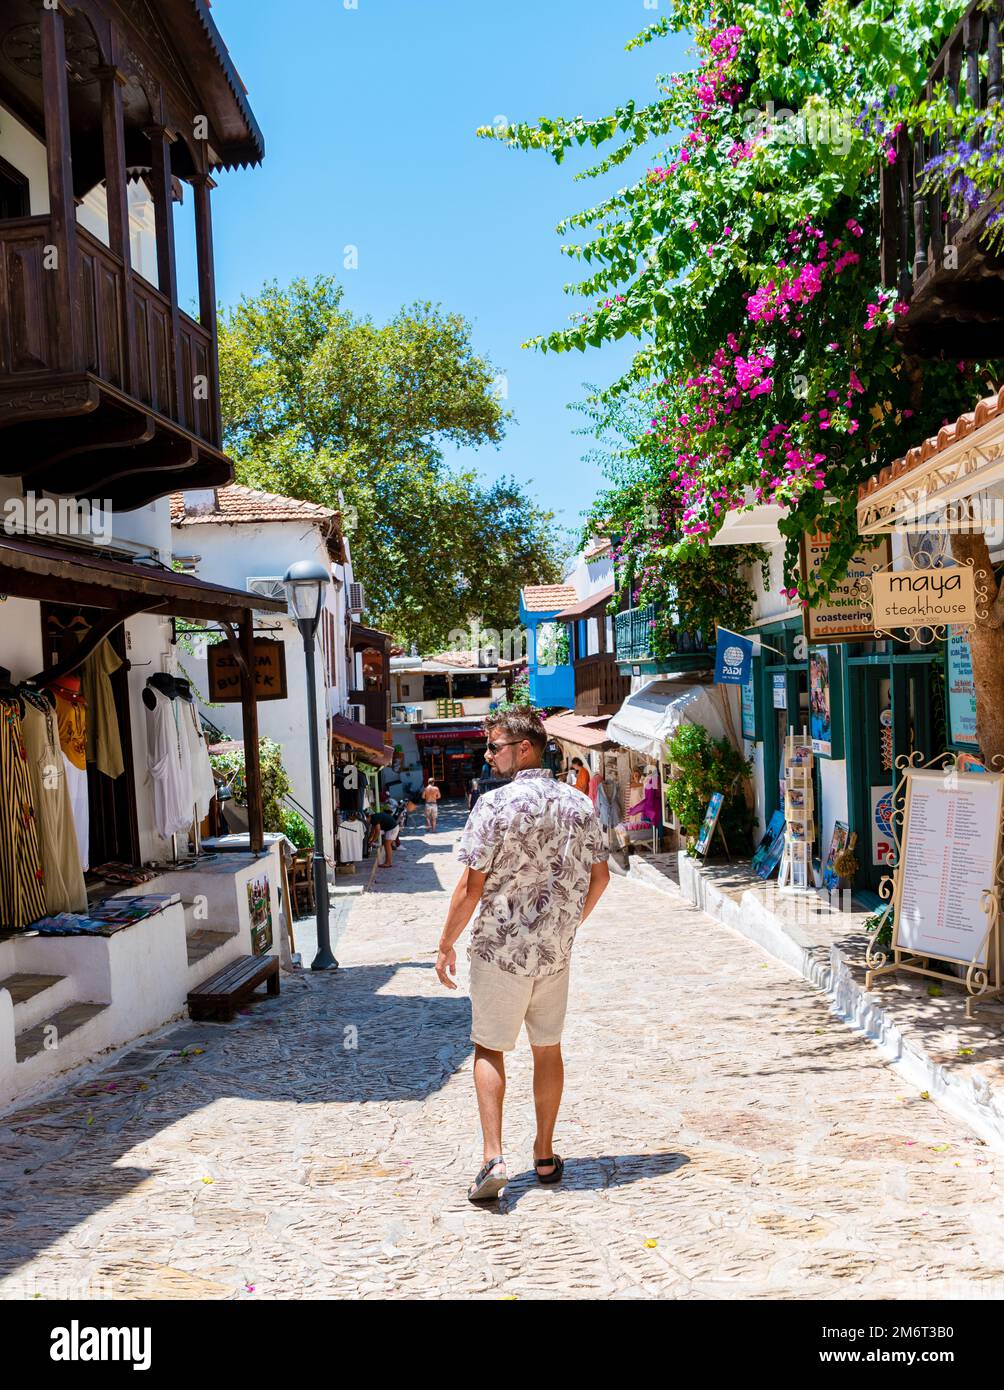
[(377, 706), (643, 649), (129, 415), (941, 266), (599, 686)]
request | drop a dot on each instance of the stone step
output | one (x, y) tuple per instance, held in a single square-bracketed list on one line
[(24, 987), (203, 943), (33, 1041)]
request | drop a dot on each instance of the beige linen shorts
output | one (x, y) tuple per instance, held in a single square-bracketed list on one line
[(501, 1003)]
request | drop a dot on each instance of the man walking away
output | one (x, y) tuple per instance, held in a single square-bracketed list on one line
[(536, 866), (431, 797)]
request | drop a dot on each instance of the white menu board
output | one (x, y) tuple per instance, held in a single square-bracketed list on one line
[(951, 839)]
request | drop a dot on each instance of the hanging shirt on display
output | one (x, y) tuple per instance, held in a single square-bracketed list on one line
[(22, 887), (203, 781), (71, 716), (104, 744), (351, 835), (608, 804), (172, 788), (57, 835)]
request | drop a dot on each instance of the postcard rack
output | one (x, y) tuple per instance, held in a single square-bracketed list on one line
[(796, 866)]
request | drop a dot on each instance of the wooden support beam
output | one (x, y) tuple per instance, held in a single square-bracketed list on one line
[(161, 141), (249, 709), (203, 186), (117, 197), (62, 204)]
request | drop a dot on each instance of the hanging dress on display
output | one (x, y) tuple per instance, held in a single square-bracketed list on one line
[(71, 716), (203, 781), (170, 775), (104, 742), (50, 794), (22, 885)]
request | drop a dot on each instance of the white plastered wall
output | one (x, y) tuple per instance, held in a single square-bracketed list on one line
[(231, 554)]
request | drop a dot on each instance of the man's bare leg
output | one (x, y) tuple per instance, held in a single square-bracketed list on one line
[(548, 1084), (489, 1083)]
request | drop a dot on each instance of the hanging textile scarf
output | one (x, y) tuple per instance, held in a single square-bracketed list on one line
[(22, 887)]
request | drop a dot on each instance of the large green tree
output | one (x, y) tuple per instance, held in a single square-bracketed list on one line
[(323, 405)]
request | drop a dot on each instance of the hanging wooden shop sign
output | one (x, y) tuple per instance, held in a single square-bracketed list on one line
[(924, 598), (225, 672), (844, 616)]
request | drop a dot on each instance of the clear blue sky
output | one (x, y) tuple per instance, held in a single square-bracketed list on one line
[(369, 117)]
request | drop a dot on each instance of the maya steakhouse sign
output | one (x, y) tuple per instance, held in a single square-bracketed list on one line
[(923, 598)]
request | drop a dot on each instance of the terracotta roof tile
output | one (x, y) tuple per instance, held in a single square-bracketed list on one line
[(986, 410), (547, 598), (237, 503)]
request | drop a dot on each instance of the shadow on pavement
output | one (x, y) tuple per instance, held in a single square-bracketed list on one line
[(585, 1174)]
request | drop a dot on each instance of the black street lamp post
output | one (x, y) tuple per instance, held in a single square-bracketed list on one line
[(305, 582)]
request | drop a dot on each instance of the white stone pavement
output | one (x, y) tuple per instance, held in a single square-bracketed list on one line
[(725, 1137)]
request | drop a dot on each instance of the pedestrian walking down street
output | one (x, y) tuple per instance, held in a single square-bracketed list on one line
[(536, 867), (431, 796)]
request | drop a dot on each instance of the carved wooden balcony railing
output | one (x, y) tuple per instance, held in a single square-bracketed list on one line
[(942, 267), (136, 413), (599, 686), (635, 633)]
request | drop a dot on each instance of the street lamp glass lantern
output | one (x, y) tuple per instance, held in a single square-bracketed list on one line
[(305, 582)]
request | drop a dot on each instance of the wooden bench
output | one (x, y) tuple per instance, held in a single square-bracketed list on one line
[(222, 995)]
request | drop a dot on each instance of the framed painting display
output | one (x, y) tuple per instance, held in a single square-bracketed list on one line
[(707, 830)]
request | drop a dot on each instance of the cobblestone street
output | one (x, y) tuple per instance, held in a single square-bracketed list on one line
[(725, 1137)]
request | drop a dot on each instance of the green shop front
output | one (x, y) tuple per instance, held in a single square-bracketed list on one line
[(865, 703)]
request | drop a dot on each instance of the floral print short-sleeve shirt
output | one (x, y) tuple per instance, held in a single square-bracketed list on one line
[(536, 840)]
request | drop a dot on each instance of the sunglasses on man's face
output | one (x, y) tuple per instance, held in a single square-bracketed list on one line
[(493, 748)]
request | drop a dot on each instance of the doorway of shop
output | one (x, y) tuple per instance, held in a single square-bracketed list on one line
[(113, 829), (896, 708), (785, 694)]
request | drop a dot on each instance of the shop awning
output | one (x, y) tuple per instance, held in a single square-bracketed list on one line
[(929, 489), (55, 573), (577, 729), (755, 525), (362, 737), (649, 716)]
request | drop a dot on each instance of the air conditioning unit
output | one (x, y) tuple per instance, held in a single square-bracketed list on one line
[(358, 713), (269, 586), (357, 598)]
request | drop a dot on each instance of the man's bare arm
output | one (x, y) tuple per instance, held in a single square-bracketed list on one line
[(598, 879), (463, 904)]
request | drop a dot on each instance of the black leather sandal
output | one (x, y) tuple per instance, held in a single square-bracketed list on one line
[(489, 1182), (559, 1168)]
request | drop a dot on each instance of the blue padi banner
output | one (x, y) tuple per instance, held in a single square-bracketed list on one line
[(733, 658)]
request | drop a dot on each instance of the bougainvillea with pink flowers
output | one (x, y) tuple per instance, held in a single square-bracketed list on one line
[(746, 263)]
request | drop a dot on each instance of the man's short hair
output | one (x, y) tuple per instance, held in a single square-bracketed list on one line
[(518, 724)]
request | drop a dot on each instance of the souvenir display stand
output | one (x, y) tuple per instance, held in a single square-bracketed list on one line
[(796, 864)]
